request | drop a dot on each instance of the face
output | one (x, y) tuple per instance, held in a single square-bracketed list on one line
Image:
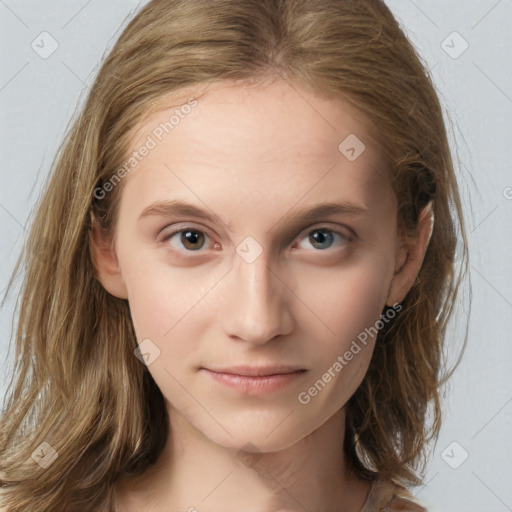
[(243, 281)]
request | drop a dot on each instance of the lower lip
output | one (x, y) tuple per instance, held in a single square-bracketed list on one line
[(254, 385)]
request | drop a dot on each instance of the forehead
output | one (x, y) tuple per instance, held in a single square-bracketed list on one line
[(238, 139)]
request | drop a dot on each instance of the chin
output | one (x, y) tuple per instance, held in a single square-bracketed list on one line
[(266, 438)]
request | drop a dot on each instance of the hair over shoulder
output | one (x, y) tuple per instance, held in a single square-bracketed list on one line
[(78, 394)]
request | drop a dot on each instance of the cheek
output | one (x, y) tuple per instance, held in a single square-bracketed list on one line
[(350, 305), (154, 304), (160, 296), (172, 308), (349, 300)]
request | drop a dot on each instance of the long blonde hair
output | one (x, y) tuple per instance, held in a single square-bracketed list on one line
[(77, 385)]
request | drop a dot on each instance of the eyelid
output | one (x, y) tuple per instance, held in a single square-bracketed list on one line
[(180, 228), (335, 228)]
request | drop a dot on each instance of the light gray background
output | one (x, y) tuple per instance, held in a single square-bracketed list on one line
[(38, 97)]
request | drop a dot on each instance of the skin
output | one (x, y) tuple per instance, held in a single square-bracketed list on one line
[(255, 156)]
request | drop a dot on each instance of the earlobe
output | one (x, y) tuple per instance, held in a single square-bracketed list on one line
[(104, 260), (410, 257)]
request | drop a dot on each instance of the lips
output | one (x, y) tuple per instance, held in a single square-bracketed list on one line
[(255, 380), (258, 371)]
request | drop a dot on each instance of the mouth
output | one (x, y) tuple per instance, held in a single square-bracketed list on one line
[(258, 371), (255, 380)]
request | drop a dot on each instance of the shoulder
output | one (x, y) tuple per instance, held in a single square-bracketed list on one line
[(389, 496), (402, 500), (403, 503)]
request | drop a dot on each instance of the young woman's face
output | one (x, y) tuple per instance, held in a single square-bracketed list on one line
[(250, 280)]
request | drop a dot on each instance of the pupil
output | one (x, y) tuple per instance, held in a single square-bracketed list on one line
[(319, 236), (191, 237)]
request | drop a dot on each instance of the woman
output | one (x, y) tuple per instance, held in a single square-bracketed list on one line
[(248, 271)]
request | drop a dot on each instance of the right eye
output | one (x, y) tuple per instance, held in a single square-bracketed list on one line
[(190, 238)]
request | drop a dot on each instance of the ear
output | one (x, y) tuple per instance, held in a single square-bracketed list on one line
[(410, 257), (105, 262)]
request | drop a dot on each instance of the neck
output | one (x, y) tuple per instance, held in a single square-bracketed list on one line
[(194, 473)]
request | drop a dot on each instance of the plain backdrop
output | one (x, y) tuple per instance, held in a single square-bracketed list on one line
[(467, 45)]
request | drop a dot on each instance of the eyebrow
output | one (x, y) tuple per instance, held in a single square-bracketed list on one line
[(178, 207)]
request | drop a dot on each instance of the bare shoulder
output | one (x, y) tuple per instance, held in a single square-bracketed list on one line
[(388, 496), (402, 500), (400, 503)]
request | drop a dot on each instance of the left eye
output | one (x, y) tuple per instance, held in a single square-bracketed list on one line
[(323, 238)]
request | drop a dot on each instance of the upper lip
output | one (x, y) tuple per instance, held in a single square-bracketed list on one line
[(258, 371)]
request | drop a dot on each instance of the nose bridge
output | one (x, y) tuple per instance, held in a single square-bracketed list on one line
[(257, 307)]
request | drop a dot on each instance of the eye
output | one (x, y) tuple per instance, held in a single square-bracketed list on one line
[(324, 238), (193, 240), (190, 238)]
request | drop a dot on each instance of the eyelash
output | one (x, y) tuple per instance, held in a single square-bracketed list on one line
[(345, 238)]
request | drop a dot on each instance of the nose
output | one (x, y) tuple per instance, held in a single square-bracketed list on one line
[(256, 308)]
